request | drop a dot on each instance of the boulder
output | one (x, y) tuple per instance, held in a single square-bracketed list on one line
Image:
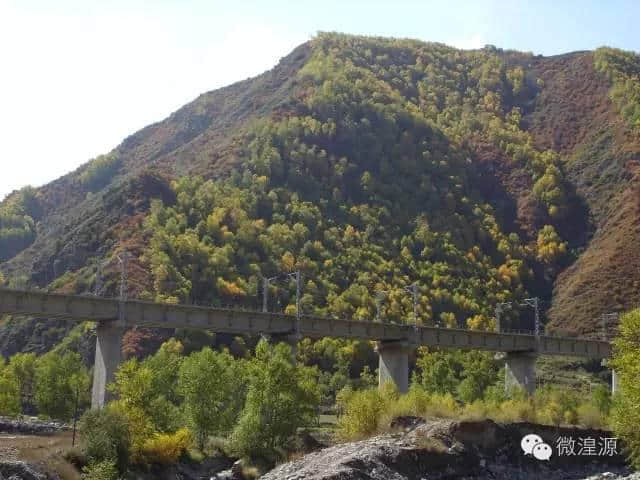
[(12, 470)]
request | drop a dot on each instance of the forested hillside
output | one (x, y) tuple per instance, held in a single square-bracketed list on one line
[(368, 164)]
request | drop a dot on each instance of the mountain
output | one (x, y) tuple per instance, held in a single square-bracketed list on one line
[(484, 176)]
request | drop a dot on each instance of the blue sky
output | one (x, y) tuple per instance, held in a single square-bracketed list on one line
[(78, 76)]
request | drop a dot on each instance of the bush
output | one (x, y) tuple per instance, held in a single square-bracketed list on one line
[(100, 171), (552, 413), (519, 408), (366, 412), (139, 427), (416, 402), (166, 448), (105, 435), (106, 470), (362, 412), (477, 410), (557, 406), (590, 416), (444, 406), (602, 399), (76, 457)]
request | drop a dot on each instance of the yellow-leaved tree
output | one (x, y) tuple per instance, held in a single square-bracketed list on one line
[(625, 415)]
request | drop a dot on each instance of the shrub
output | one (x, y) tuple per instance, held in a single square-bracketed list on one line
[(477, 410), (166, 448), (516, 409), (76, 457), (590, 416), (105, 435), (557, 406), (139, 427), (416, 402), (362, 412), (552, 413), (100, 171), (105, 470), (602, 399), (444, 406)]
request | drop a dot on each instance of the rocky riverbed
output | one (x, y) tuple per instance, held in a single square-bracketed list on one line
[(416, 450), (443, 449), (30, 426)]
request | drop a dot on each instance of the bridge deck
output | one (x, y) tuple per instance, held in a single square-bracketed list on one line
[(81, 308)]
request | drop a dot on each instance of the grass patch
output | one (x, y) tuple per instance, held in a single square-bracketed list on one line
[(368, 412)]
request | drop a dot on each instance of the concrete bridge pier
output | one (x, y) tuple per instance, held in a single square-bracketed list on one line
[(520, 371), (394, 364), (108, 357), (615, 387)]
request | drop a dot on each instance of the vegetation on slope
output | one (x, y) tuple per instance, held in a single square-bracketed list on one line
[(366, 123), (624, 70), (369, 185), (575, 115), (18, 214)]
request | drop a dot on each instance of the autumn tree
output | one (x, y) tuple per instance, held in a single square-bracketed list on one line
[(625, 413)]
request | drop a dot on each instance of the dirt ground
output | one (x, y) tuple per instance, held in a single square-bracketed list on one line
[(43, 450)]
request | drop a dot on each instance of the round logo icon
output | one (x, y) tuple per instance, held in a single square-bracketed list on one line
[(529, 441), (542, 451)]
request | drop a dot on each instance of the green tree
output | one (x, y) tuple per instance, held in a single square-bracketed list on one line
[(479, 371), (467, 375), (439, 371), (281, 397), (57, 380), (149, 388), (9, 391), (165, 365), (602, 399), (106, 470), (212, 386), (105, 437), (23, 366), (625, 413)]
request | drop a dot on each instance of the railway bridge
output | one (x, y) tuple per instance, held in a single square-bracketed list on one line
[(394, 342)]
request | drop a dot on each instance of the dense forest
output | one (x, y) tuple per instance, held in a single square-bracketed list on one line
[(370, 166), (368, 185)]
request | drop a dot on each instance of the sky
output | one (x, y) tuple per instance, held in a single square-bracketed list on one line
[(78, 76)]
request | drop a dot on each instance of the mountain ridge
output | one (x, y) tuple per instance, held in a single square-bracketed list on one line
[(524, 123)]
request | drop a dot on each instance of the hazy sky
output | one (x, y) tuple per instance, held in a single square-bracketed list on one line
[(76, 77)]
